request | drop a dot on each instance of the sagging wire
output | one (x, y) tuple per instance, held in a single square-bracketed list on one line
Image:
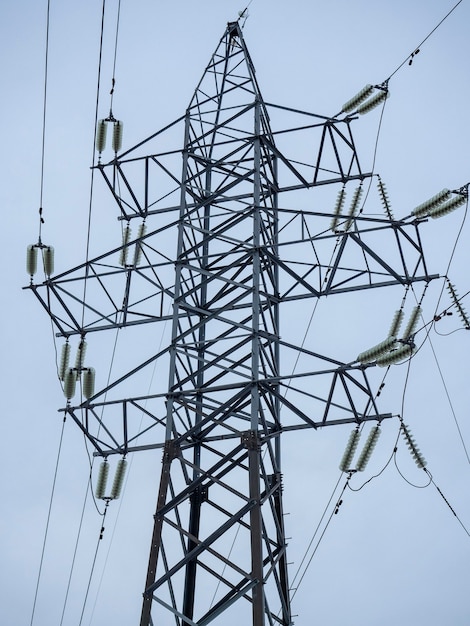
[(46, 532), (98, 543), (447, 502), (333, 512)]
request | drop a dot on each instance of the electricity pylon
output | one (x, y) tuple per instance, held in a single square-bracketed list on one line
[(218, 547)]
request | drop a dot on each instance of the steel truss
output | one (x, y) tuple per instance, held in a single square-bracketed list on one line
[(240, 256)]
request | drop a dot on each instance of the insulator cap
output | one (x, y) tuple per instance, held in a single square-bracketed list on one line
[(48, 260), (374, 101), (424, 208), (70, 382), (80, 357), (126, 235), (31, 260), (368, 448), (354, 437), (376, 351), (101, 135), (396, 323), (448, 206), (461, 311), (401, 353), (102, 480), (414, 450), (353, 208), (64, 360), (412, 322), (88, 382), (138, 245), (117, 135), (384, 198), (118, 479), (357, 99)]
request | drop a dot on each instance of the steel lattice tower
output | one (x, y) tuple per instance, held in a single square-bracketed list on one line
[(241, 255)]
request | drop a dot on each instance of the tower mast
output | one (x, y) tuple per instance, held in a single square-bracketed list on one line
[(218, 549)]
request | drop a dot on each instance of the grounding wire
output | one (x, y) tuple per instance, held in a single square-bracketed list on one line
[(113, 80), (44, 111), (409, 57), (46, 532)]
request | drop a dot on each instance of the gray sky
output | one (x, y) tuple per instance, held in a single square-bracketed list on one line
[(394, 554)]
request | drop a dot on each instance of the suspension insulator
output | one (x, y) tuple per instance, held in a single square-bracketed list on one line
[(126, 235), (88, 382), (425, 207), (338, 207), (102, 480), (357, 99), (70, 382), (385, 200), (400, 354), (353, 208), (31, 260), (48, 260), (412, 322), (462, 313), (396, 323), (376, 351), (448, 206), (374, 101), (414, 450), (354, 437), (138, 245), (101, 135), (368, 449), (80, 357), (64, 360), (117, 135), (118, 479)]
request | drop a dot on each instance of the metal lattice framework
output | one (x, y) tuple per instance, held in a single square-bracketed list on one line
[(241, 255)]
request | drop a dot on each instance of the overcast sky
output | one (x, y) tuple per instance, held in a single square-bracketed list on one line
[(394, 554)]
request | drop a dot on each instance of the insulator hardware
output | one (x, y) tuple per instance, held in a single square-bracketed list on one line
[(31, 260), (412, 322), (102, 480), (351, 446), (70, 382), (126, 235), (448, 207), (374, 101), (118, 479), (384, 198), (414, 450), (376, 351), (64, 360), (396, 323), (425, 207), (88, 382), (48, 260), (401, 353), (356, 100), (368, 449), (117, 135), (462, 313), (338, 207), (138, 245), (101, 135)]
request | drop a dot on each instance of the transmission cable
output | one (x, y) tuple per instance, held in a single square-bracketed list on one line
[(46, 532), (409, 58)]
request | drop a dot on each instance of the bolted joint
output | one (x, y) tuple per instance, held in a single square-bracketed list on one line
[(250, 440)]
